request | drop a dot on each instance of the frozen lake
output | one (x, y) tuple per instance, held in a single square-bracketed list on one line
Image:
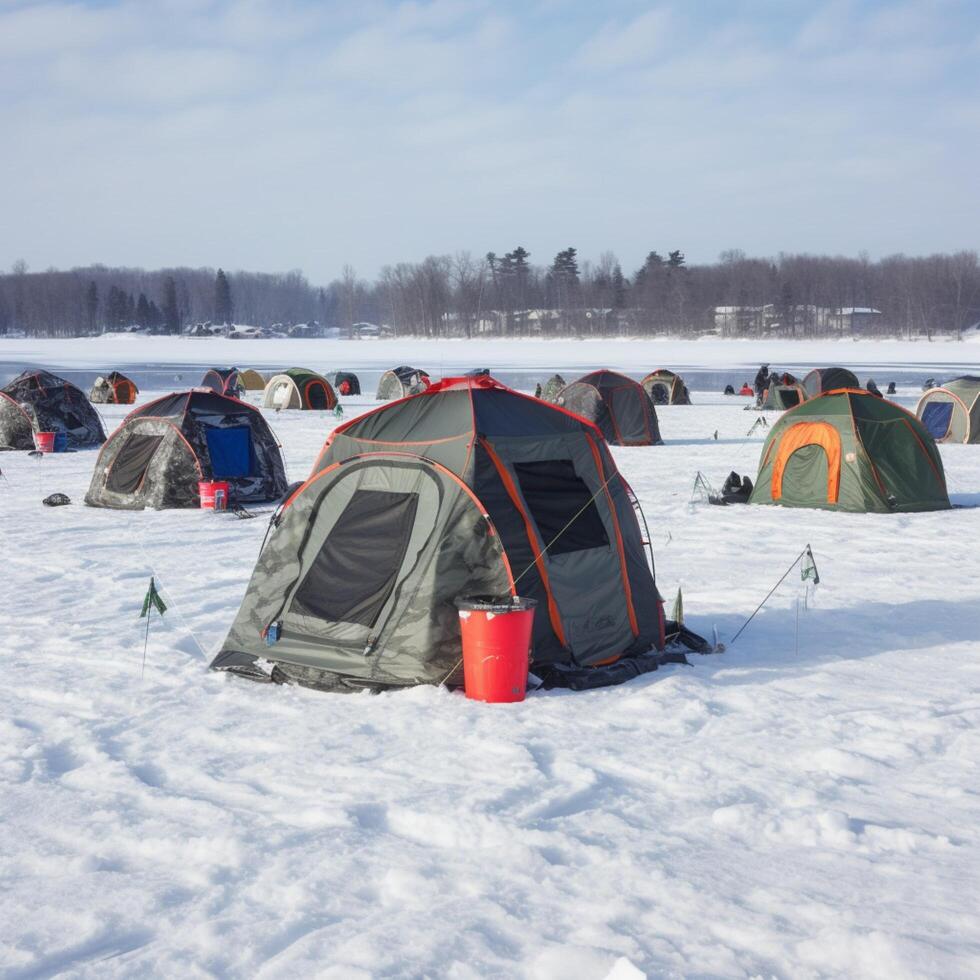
[(805, 804)]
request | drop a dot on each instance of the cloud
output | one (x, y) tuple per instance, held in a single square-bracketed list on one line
[(624, 45)]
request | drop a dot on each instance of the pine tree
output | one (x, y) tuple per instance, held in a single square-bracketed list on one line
[(91, 306), (171, 314), (223, 309), (619, 286), (143, 315)]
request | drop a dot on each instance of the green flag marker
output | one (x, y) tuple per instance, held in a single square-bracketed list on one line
[(808, 568), (154, 600)]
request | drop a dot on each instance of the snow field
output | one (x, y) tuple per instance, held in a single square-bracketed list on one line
[(800, 806)]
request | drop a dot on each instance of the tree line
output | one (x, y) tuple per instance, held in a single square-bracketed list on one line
[(506, 294)]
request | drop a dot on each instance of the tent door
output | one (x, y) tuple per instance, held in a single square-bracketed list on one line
[(230, 450), (131, 463), (806, 471), (937, 417), (281, 395)]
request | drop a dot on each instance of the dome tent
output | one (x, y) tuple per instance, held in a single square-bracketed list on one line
[(666, 388), (353, 384), (222, 380), (951, 412), (161, 451), (38, 401), (820, 380), (400, 382), (552, 389), (456, 491), (251, 380), (618, 405), (113, 389), (780, 398), (848, 450), (299, 388)]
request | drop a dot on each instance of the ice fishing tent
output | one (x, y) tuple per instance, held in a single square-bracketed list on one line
[(38, 401), (299, 388), (346, 383), (666, 388), (552, 389), (222, 380), (820, 380), (454, 492), (161, 451), (251, 380), (847, 450), (113, 389), (780, 398), (951, 413), (400, 382), (619, 406)]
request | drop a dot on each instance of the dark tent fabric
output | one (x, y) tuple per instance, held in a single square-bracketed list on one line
[(619, 406), (38, 401), (458, 491), (346, 383), (162, 450), (821, 380), (222, 380)]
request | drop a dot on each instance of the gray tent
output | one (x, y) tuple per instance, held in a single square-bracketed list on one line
[(162, 450), (400, 382), (454, 492), (618, 405), (38, 401)]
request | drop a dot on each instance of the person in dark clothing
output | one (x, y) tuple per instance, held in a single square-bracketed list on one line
[(762, 379), (891, 388), (873, 388)]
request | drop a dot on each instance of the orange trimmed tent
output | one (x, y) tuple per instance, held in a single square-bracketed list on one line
[(849, 450), (299, 388), (113, 389)]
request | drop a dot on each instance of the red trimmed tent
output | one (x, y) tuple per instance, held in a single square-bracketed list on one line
[(469, 488), (617, 405)]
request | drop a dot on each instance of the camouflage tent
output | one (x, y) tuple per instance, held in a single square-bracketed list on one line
[(820, 380), (251, 380), (453, 492), (346, 383), (666, 388), (552, 389), (222, 380), (113, 389), (38, 401), (618, 405), (299, 388), (162, 450), (780, 397), (951, 412), (848, 450), (400, 382)]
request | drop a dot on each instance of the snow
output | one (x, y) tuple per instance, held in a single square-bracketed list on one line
[(802, 805)]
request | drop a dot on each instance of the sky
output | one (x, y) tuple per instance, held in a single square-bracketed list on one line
[(271, 136)]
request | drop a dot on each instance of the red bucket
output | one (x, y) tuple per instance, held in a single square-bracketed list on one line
[(44, 441), (496, 646), (214, 494)]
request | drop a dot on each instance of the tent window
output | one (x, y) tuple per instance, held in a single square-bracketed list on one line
[(555, 494), (791, 397), (230, 451), (936, 417), (130, 466), (355, 571)]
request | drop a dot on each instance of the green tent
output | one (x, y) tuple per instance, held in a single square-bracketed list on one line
[(951, 413), (780, 398), (848, 450), (821, 380)]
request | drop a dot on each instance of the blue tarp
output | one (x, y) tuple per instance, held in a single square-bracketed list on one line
[(936, 417), (230, 450)]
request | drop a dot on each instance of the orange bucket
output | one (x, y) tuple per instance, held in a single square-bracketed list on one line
[(44, 441), (496, 646)]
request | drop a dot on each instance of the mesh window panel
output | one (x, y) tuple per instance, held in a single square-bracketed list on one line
[(936, 417), (357, 566), (554, 495), (130, 465)]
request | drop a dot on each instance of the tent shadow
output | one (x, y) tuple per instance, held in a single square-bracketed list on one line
[(769, 644)]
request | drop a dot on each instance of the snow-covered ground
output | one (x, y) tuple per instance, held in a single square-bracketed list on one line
[(806, 804)]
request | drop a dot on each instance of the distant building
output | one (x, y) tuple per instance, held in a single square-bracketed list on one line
[(738, 321), (856, 319)]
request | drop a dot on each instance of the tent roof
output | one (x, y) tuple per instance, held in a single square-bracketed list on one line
[(302, 375), (179, 403)]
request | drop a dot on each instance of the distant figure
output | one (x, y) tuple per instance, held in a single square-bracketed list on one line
[(891, 388), (928, 383), (344, 387), (729, 389), (873, 388), (747, 390), (537, 390), (762, 379)]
